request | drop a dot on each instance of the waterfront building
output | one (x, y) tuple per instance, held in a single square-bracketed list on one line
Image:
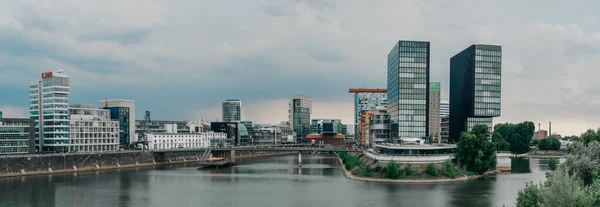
[(444, 108), (232, 110), (300, 108), (319, 126), (379, 128), (247, 124), (163, 141), (48, 106), (234, 130), (161, 126), (326, 139), (92, 130), (474, 88), (435, 111), (17, 136), (408, 87), (272, 135), (366, 99), (124, 112), (412, 151)]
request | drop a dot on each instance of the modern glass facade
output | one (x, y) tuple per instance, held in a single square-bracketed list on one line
[(49, 107), (367, 100), (408, 87), (444, 108), (232, 110), (475, 83), (300, 108), (434, 111), (326, 126), (124, 112), (17, 136)]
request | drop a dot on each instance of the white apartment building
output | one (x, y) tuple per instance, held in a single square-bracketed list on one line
[(91, 130), (161, 141), (48, 104)]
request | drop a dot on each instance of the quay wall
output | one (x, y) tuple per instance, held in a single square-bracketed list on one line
[(35, 164)]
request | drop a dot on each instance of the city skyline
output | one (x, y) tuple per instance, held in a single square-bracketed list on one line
[(147, 60)]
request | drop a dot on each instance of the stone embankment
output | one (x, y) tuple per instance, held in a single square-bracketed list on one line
[(349, 175), (26, 165)]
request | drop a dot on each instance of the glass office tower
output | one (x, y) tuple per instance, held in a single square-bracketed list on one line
[(232, 110), (300, 108), (475, 76), (408, 89)]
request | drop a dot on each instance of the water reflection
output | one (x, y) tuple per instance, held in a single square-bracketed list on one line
[(265, 182)]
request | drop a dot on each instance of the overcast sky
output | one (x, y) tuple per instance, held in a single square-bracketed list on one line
[(180, 59)]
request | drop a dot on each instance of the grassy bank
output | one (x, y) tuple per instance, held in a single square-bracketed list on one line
[(361, 166)]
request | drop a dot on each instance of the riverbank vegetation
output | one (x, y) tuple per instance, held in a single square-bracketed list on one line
[(576, 182), (360, 165), (515, 138)]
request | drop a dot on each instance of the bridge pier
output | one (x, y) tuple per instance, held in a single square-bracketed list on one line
[(299, 159)]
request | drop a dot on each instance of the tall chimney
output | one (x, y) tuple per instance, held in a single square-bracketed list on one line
[(539, 127), (550, 129)]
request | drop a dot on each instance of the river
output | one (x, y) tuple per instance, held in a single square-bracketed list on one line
[(260, 182)]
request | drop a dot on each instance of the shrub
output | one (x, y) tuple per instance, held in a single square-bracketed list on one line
[(357, 172), (408, 171), (448, 170), (432, 170), (378, 168), (552, 163), (392, 170)]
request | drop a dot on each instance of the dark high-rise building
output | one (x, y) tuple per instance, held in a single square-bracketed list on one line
[(232, 110), (300, 108), (474, 88), (408, 89)]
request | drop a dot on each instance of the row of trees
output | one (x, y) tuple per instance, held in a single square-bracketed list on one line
[(576, 182), (550, 143), (513, 137)]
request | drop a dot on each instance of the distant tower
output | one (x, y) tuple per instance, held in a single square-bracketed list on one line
[(232, 110), (550, 129)]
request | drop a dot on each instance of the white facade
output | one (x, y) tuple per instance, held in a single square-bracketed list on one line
[(121, 103), (161, 141), (48, 106), (91, 130), (444, 108)]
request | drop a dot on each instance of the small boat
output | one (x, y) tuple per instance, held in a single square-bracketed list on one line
[(215, 162)]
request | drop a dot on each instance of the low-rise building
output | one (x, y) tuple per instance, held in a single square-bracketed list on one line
[(540, 134), (92, 130), (272, 135), (234, 130), (124, 112), (17, 136), (162, 141), (326, 132), (161, 126)]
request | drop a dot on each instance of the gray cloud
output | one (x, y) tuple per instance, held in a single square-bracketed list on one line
[(187, 56)]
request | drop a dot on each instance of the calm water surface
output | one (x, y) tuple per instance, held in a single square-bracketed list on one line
[(263, 182)]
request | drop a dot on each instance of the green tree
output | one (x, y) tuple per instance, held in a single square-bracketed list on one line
[(408, 171), (481, 131), (392, 170), (554, 144), (590, 136), (529, 197), (518, 135), (475, 153), (535, 142)]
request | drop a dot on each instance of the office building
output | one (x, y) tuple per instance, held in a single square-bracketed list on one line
[(272, 135), (248, 124), (0, 114), (445, 129), (238, 133), (161, 126), (474, 88), (163, 141), (366, 99), (408, 87), (17, 136), (444, 108), (365, 121), (124, 112), (92, 130), (49, 108), (378, 131), (232, 110), (434, 111), (328, 126), (300, 108)]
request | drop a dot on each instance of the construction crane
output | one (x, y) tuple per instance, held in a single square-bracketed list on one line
[(142, 138)]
